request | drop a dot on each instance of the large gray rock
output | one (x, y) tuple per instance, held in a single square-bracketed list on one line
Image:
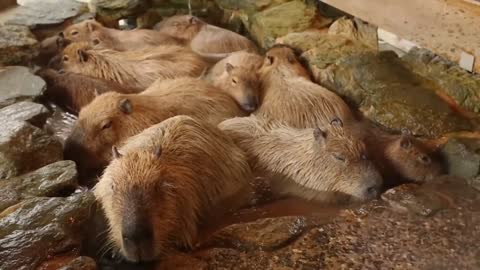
[(34, 13), (24, 148), (56, 179), (34, 113), (18, 84), (109, 11), (39, 229), (462, 157), (17, 45)]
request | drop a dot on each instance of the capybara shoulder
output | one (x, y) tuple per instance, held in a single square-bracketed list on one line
[(327, 160), (165, 182)]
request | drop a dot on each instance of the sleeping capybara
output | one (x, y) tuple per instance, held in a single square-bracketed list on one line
[(329, 161), (204, 37), (101, 37), (290, 97), (167, 181), (137, 69), (237, 75), (73, 91), (113, 117)]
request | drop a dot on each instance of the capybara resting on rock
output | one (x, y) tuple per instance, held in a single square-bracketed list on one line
[(111, 118), (137, 69), (328, 161), (120, 40), (73, 91), (204, 37), (289, 96), (168, 180), (237, 75)]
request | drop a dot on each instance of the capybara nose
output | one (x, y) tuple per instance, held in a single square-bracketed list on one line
[(250, 104), (137, 233), (137, 242)]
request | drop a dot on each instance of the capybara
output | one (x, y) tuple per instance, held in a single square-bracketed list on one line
[(112, 117), (400, 157), (120, 40), (329, 161), (289, 96), (237, 75), (73, 91), (204, 37), (137, 69), (166, 182)]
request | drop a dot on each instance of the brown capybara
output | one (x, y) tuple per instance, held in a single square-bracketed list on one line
[(138, 69), (290, 97), (73, 91), (113, 117), (204, 37), (167, 181), (101, 37), (237, 75), (327, 160), (400, 157)]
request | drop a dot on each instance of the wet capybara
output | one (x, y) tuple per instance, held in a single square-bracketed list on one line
[(101, 37), (136, 69), (167, 181), (237, 75), (112, 117), (204, 37), (73, 91), (329, 161), (289, 96)]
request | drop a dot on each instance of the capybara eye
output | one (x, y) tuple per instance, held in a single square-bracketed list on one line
[(107, 125), (339, 157), (74, 33), (364, 156), (405, 143), (424, 159), (65, 58), (234, 80)]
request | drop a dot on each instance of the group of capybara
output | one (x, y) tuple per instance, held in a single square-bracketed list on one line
[(185, 117)]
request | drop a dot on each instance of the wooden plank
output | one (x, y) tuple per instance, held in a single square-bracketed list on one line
[(447, 27)]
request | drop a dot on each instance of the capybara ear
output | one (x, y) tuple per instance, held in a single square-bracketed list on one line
[(319, 135), (405, 143), (229, 67), (291, 58), (95, 41), (126, 106), (337, 122), (82, 55), (270, 59), (61, 71), (158, 151), (115, 152), (61, 34)]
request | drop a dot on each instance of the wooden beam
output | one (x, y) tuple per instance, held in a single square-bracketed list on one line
[(446, 27)]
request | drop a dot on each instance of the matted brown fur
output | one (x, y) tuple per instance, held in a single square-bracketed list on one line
[(101, 37), (289, 96), (330, 161), (74, 91), (204, 37), (112, 117), (170, 179), (138, 68), (237, 75)]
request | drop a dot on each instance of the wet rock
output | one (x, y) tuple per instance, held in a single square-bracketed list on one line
[(39, 229), (35, 13), (277, 21), (17, 45), (249, 6), (461, 86), (149, 19), (80, 263), (181, 261), (265, 234), (356, 30), (462, 157), (390, 94), (34, 113), (19, 84), (24, 148), (60, 124), (109, 11), (56, 179), (475, 183)]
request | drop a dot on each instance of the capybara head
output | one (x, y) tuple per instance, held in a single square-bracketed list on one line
[(242, 84), (412, 160), (181, 26), (80, 31), (282, 59), (75, 58), (107, 120)]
